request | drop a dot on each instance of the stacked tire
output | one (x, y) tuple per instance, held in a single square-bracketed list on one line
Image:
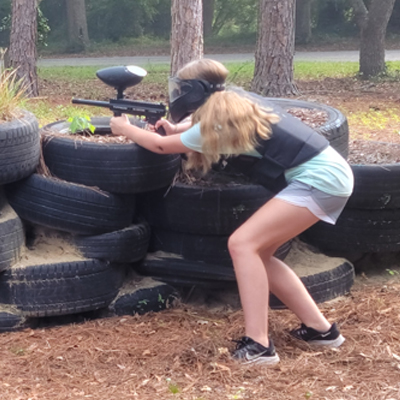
[(19, 157), (66, 240), (370, 222)]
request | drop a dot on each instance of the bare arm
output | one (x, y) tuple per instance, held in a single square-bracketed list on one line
[(172, 129), (149, 140)]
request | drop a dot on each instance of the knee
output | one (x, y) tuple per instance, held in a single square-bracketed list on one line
[(238, 244)]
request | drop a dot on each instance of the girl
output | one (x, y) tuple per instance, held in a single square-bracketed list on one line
[(311, 180)]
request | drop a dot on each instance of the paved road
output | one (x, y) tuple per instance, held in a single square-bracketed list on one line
[(391, 55)]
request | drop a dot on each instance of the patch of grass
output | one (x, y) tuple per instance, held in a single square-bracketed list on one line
[(46, 113), (375, 120), (67, 73), (156, 73), (239, 72), (12, 95), (308, 70)]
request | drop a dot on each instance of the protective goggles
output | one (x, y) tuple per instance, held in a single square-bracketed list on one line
[(194, 88)]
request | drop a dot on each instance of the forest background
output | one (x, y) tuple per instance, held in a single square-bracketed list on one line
[(229, 25)]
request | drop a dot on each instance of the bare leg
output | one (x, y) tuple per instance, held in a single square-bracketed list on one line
[(251, 247), (287, 286)]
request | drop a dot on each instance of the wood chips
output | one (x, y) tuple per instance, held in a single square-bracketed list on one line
[(182, 353)]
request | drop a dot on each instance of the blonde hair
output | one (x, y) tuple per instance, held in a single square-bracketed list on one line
[(229, 123)]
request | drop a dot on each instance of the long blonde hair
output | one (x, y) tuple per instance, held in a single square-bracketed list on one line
[(229, 123)]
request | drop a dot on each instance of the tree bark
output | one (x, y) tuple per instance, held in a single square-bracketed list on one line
[(187, 32), (303, 21), (21, 54), (78, 36), (273, 73), (372, 23), (208, 15)]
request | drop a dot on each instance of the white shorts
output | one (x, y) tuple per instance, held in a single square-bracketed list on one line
[(323, 205)]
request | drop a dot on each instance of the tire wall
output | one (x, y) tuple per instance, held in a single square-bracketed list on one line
[(97, 203), (370, 222)]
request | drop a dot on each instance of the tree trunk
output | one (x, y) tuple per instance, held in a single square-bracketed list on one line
[(208, 16), (21, 54), (273, 73), (303, 21), (78, 37), (187, 32), (372, 23)]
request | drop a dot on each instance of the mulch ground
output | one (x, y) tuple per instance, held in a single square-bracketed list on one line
[(182, 353)]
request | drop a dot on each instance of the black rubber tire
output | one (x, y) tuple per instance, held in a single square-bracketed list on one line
[(19, 148), (335, 129), (171, 268), (211, 210), (142, 296), (11, 319), (61, 288), (117, 168), (12, 237), (370, 231), (69, 207), (376, 187), (323, 281), (210, 249), (325, 285), (124, 246)]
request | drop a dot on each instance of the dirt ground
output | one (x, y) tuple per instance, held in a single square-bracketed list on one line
[(182, 353)]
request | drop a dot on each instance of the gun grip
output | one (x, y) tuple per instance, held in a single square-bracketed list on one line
[(161, 131), (117, 113)]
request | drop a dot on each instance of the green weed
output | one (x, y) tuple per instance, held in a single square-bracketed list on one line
[(376, 119), (12, 95)]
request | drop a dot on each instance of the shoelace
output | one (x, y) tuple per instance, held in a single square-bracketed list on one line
[(302, 331)]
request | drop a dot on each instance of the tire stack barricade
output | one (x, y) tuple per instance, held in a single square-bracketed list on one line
[(369, 227), (112, 207), (66, 241)]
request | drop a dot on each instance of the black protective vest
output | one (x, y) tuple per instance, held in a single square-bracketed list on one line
[(292, 143)]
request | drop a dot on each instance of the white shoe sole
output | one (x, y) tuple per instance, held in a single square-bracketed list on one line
[(328, 343), (266, 361)]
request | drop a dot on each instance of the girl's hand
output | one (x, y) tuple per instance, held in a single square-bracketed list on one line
[(169, 128), (119, 124)]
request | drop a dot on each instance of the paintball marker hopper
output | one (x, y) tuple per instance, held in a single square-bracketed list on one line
[(121, 77)]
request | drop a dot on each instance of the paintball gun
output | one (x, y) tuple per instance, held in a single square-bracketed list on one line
[(120, 78)]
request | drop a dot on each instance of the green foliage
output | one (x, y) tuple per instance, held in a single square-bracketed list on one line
[(392, 272), (80, 124), (12, 95), (172, 387), (43, 28), (333, 17), (115, 19), (234, 16)]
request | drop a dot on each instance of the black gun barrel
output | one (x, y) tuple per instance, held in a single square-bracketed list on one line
[(91, 102)]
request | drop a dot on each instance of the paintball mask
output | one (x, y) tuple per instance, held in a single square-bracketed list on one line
[(187, 95)]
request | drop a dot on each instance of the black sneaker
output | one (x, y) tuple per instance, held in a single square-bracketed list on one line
[(331, 338), (250, 352)]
